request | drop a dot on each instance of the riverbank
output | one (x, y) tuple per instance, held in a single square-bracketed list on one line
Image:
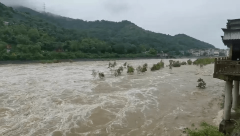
[(94, 59)]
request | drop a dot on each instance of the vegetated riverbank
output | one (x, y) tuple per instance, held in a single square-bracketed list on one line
[(89, 59)]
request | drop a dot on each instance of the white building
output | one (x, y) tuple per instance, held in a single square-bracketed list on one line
[(164, 55), (191, 51), (5, 23), (227, 52), (212, 52), (202, 52), (216, 53), (196, 53), (207, 52)]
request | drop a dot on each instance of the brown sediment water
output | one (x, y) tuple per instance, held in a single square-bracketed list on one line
[(64, 99)]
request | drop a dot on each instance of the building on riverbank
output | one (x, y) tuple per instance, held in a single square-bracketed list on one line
[(196, 53), (208, 52), (6, 23), (216, 54)]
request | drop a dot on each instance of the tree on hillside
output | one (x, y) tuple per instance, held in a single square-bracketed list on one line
[(22, 39), (2, 46), (1, 22), (35, 48), (142, 48), (130, 48), (73, 46), (20, 30), (33, 34), (152, 51), (119, 48)]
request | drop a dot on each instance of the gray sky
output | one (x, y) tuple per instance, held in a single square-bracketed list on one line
[(201, 19)]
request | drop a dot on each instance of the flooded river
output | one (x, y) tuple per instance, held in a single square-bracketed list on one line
[(64, 99)]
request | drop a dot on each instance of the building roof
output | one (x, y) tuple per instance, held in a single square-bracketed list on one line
[(233, 21), (232, 32), (231, 35), (232, 24), (229, 20)]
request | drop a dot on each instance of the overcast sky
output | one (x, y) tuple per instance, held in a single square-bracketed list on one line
[(201, 19)]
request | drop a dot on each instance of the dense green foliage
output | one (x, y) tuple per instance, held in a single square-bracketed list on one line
[(184, 63), (112, 65), (236, 130), (205, 130), (43, 36), (176, 64), (157, 66), (204, 61), (130, 69), (119, 71), (189, 62), (142, 69)]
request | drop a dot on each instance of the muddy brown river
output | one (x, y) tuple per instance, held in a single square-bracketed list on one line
[(64, 99)]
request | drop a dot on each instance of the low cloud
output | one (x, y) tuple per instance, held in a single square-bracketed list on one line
[(116, 7), (15, 2), (25, 3)]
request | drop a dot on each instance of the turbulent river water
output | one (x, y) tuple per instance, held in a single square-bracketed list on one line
[(64, 99)]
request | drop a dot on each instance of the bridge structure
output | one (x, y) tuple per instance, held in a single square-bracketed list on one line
[(228, 69)]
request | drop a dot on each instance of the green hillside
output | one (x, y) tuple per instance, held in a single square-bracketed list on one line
[(34, 35)]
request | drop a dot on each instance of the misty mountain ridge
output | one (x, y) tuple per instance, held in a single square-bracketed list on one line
[(125, 32), (50, 15)]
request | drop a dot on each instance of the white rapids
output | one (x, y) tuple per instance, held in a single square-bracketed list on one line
[(64, 99)]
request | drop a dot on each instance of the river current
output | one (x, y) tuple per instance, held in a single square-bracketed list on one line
[(64, 99)]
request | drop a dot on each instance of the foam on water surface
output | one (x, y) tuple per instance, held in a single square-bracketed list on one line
[(65, 99)]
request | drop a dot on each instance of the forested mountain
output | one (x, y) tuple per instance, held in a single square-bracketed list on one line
[(35, 35)]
